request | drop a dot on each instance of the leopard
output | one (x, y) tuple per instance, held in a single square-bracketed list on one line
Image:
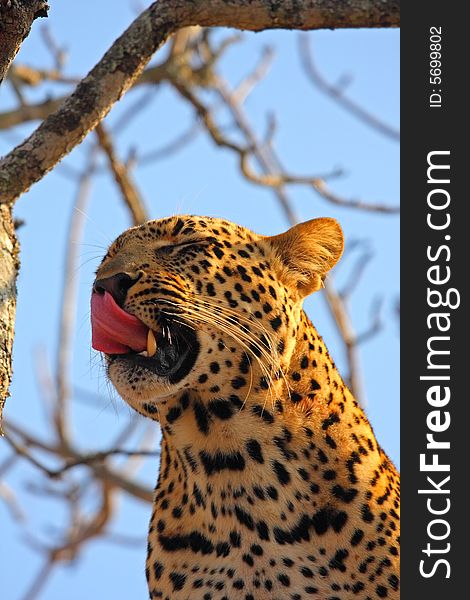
[(271, 485)]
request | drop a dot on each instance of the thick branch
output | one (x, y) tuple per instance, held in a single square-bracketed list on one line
[(112, 76), (16, 18), (9, 264)]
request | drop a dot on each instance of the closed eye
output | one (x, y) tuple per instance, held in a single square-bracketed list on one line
[(182, 245)]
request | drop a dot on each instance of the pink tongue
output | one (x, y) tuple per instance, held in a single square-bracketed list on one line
[(115, 331)]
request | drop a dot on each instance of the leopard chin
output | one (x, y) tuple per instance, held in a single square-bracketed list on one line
[(139, 377)]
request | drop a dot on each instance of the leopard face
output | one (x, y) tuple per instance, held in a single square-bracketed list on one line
[(222, 302)]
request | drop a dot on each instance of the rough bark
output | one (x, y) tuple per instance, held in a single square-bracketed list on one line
[(115, 73), (16, 18), (9, 265), (125, 60)]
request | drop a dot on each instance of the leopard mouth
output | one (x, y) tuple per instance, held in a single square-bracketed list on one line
[(168, 349), (176, 351)]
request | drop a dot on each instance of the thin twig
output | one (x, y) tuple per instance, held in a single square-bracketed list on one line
[(40, 580), (69, 300), (337, 93), (123, 179)]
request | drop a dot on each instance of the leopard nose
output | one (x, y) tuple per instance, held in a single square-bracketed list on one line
[(117, 285)]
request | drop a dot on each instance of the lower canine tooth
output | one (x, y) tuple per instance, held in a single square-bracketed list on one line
[(151, 343)]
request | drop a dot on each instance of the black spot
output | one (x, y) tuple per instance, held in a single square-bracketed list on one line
[(259, 493), (281, 472), (260, 411), (196, 541), (367, 516), (244, 518), (300, 531), (213, 463), (178, 226), (245, 363), (222, 549), (190, 458), (357, 537), (218, 252), (284, 579), (272, 492), (346, 495), (235, 400), (295, 397), (157, 569), (202, 417), (393, 581), (331, 420), (248, 559), (238, 584), (330, 441), (173, 414), (381, 591), (151, 409), (357, 587), (222, 409), (254, 451), (306, 572), (238, 382), (329, 474), (184, 401), (235, 539), (243, 273), (337, 561), (178, 580), (272, 291), (263, 531), (326, 517), (214, 367), (263, 382), (276, 323), (203, 378), (256, 549)]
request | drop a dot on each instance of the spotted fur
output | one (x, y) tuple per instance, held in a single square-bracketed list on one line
[(272, 484)]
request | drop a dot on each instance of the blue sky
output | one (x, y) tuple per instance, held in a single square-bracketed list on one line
[(313, 136)]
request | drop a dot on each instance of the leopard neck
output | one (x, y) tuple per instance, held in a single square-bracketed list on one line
[(312, 447)]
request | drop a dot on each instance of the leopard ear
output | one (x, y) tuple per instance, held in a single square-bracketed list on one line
[(304, 254)]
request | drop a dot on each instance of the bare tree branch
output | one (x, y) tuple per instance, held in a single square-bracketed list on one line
[(9, 265), (16, 18), (122, 177), (127, 57), (99, 469), (68, 308), (337, 93)]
